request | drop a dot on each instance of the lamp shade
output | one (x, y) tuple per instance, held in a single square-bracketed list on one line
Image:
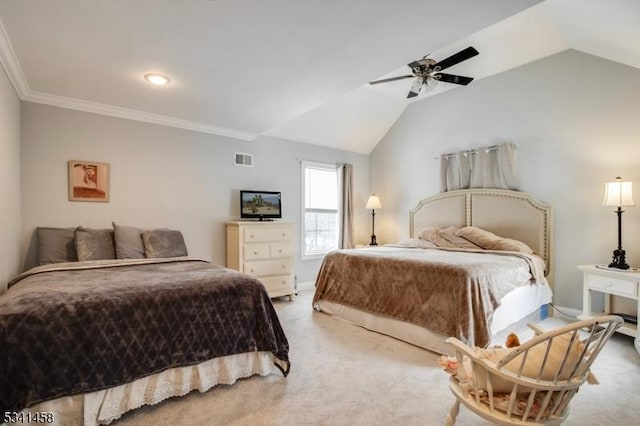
[(373, 202), (618, 194)]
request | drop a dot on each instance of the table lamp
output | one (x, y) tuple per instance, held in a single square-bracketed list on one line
[(618, 194), (372, 204)]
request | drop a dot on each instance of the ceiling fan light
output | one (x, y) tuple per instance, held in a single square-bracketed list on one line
[(157, 79), (431, 83)]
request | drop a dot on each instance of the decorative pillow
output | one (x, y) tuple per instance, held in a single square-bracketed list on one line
[(531, 368), (94, 244), (128, 240), (55, 245), (449, 234), (559, 347), (507, 244), (163, 243), (478, 236), (433, 235), (490, 241)]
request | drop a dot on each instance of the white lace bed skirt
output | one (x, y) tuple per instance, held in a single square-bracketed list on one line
[(105, 406)]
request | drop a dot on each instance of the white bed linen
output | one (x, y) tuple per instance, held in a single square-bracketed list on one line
[(515, 306), (105, 406), (519, 303)]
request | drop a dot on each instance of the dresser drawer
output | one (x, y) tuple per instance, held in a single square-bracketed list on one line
[(278, 284), (283, 249), (257, 234), (268, 267), (256, 251), (613, 285)]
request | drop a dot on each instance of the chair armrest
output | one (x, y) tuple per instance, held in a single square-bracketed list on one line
[(460, 347)]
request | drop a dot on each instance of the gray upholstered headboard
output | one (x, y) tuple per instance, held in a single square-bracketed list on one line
[(510, 214)]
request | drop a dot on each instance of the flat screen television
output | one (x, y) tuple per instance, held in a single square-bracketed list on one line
[(262, 205)]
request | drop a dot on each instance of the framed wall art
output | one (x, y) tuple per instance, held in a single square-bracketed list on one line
[(88, 181)]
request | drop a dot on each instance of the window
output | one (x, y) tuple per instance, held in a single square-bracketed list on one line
[(320, 210)]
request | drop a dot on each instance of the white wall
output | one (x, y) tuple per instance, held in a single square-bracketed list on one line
[(10, 237), (575, 118), (163, 177)]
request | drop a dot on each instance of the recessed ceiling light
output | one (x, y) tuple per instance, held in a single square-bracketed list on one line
[(159, 79)]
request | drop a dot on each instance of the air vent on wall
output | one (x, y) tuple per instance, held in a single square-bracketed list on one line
[(242, 159)]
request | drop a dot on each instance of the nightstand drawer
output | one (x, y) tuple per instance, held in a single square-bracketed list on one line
[(613, 285)]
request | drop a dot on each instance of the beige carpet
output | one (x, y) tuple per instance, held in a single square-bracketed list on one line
[(344, 375)]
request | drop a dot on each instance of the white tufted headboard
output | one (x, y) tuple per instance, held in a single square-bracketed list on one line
[(510, 214)]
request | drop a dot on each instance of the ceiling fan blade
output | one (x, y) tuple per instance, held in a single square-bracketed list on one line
[(415, 87), (456, 58), (455, 79), (386, 80)]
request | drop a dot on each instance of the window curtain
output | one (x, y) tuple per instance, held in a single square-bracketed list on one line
[(346, 207), (486, 167)]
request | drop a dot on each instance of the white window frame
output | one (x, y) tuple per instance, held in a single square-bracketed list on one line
[(317, 165)]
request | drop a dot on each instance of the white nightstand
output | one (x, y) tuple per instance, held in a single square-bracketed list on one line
[(610, 282)]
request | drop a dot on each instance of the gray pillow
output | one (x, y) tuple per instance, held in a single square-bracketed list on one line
[(94, 244), (55, 245), (128, 241), (163, 243)]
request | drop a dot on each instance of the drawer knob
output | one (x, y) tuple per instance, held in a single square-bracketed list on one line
[(284, 235), (252, 270), (255, 252), (280, 251), (284, 266), (250, 235)]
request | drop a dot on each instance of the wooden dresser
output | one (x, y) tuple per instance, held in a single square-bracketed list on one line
[(264, 250)]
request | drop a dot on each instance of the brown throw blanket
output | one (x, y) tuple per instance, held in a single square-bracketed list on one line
[(453, 293), (76, 328)]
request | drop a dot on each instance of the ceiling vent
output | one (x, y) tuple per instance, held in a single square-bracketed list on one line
[(242, 159)]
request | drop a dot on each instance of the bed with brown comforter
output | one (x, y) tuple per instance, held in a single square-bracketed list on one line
[(74, 328), (449, 292)]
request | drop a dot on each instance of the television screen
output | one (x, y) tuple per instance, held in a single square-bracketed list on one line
[(260, 205)]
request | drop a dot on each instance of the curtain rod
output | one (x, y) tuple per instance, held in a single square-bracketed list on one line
[(475, 150), (337, 163)]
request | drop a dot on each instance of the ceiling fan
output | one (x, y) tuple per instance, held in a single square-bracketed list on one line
[(427, 69)]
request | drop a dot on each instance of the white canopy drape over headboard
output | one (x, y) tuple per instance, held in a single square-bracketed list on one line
[(510, 214), (487, 167)]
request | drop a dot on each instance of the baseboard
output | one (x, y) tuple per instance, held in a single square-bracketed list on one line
[(564, 313)]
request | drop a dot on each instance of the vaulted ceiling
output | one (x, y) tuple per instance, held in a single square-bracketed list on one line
[(286, 68)]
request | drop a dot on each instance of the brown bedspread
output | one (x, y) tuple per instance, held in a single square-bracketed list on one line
[(453, 293), (78, 328)]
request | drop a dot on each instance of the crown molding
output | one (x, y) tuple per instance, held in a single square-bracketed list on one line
[(131, 114), (9, 61)]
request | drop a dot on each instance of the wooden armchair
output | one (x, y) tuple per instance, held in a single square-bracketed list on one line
[(531, 384)]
